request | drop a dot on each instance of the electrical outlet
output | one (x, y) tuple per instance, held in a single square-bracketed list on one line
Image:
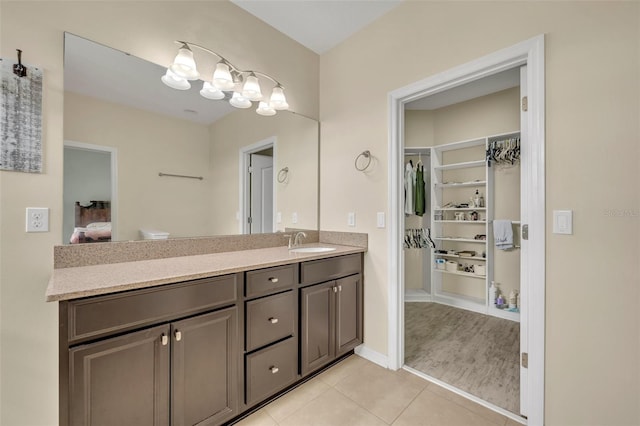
[(279, 217), (294, 217), (37, 219)]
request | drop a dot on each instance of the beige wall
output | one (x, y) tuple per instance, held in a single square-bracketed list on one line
[(146, 144), (592, 105), (296, 148), (147, 29)]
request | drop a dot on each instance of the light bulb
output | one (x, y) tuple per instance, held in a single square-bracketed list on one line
[(174, 81), (265, 109), (222, 77), (278, 101), (209, 91), (238, 101), (184, 65), (251, 88)]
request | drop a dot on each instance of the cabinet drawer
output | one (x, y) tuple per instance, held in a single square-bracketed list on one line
[(316, 271), (265, 281), (271, 369), (104, 315), (270, 319)]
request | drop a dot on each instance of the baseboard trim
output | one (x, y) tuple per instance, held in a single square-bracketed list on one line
[(373, 356), (464, 394), (416, 295)]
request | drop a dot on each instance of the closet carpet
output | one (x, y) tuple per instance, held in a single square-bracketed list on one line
[(473, 352)]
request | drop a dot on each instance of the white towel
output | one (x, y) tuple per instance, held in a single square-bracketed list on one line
[(503, 234), (409, 188)]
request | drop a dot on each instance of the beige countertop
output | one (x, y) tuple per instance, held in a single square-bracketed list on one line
[(83, 281)]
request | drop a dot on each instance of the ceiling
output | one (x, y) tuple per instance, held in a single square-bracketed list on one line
[(318, 24)]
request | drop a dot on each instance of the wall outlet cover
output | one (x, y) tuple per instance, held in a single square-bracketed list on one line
[(37, 219)]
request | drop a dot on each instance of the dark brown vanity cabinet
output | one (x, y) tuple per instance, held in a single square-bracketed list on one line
[(330, 312), (271, 343), (203, 352), (183, 371)]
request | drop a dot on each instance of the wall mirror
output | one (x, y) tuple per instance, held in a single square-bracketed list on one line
[(142, 156)]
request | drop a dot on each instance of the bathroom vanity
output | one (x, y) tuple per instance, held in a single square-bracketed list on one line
[(201, 344)]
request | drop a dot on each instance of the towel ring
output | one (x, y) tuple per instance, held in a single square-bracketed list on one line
[(365, 154), (282, 174)]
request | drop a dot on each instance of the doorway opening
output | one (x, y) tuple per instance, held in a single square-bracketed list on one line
[(90, 174), (532, 213), (257, 188)]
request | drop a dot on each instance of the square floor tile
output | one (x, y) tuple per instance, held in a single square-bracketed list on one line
[(429, 409), (468, 404), (297, 398), (332, 409), (344, 368), (383, 392)]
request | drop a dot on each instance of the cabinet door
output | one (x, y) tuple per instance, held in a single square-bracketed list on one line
[(204, 368), (317, 325), (121, 381), (348, 313)]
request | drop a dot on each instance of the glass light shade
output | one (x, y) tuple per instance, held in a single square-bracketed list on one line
[(265, 109), (184, 65), (278, 101), (209, 91), (251, 88), (222, 77), (238, 101), (174, 81)]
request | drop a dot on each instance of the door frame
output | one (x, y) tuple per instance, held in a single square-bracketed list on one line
[(244, 194), (113, 153), (531, 53)]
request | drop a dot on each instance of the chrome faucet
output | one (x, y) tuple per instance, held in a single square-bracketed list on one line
[(296, 240)]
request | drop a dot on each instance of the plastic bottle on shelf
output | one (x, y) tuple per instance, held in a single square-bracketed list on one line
[(513, 299), (492, 293)]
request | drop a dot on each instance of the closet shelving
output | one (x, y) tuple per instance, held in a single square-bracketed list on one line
[(457, 170)]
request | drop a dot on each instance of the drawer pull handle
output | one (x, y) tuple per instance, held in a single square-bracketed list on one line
[(273, 279), (273, 320), (274, 369), (178, 336), (164, 339)]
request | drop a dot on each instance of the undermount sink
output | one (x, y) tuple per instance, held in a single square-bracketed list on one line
[(311, 249)]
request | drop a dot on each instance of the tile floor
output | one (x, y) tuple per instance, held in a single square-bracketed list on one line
[(358, 392)]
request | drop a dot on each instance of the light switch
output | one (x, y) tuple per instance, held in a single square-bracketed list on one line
[(294, 217), (279, 217), (563, 222), (380, 219), (351, 219)]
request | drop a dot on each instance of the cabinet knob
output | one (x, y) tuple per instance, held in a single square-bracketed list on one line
[(273, 279), (339, 288), (164, 339), (274, 369), (273, 320), (335, 289), (178, 335)]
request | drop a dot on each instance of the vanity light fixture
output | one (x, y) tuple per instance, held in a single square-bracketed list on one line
[(241, 87)]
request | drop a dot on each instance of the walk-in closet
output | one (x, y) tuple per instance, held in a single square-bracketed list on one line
[(462, 249)]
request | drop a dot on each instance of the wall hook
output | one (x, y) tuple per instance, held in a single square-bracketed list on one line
[(19, 69), (367, 155)]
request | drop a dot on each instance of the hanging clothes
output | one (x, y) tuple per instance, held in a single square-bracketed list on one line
[(409, 189), (420, 203)]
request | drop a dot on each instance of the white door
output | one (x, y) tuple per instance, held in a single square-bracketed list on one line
[(261, 198)]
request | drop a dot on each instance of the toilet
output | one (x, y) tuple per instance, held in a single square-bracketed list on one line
[(152, 234)]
